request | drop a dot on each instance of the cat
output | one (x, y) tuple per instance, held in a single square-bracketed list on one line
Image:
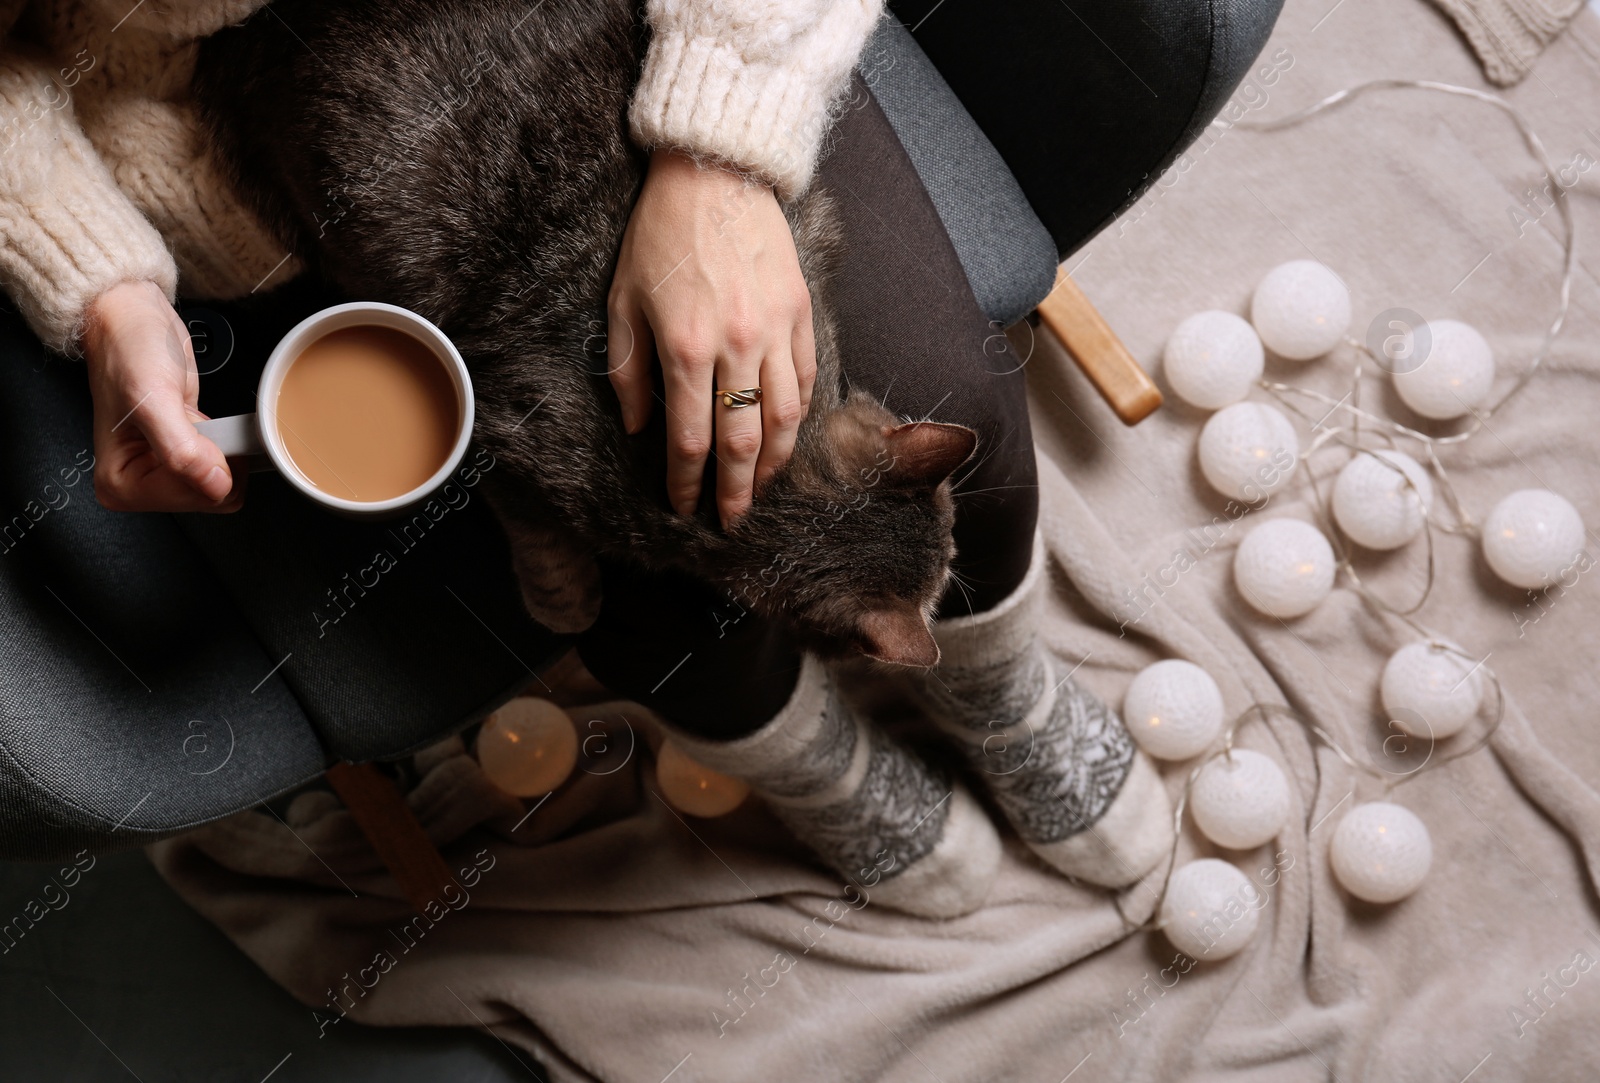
[(470, 160)]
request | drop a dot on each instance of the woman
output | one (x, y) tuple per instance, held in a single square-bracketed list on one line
[(107, 169)]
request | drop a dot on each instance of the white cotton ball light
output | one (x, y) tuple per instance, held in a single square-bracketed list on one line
[(1240, 802), (1381, 499), (1173, 709), (693, 788), (1431, 691), (1247, 450), (1381, 852), (1213, 359), (1284, 568), (1453, 378), (1301, 309), (1531, 537), (1211, 909), (528, 747)]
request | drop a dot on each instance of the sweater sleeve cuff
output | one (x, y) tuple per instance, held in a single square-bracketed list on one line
[(67, 232), (766, 117)]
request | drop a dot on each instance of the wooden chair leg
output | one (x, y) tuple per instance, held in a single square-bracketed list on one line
[(1125, 386), (387, 822)]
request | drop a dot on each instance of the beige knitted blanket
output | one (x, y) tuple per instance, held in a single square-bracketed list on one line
[(1509, 35), (622, 943)]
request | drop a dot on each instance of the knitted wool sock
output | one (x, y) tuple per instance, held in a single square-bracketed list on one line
[(871, 809), (1059, 763)]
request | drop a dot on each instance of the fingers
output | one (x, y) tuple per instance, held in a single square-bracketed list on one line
[(139, 483), (129, 476), (630, 349), (687, 369), (739, 436), (177, 445), (805, 355), (148, 454), (780, 414), (150, 457)]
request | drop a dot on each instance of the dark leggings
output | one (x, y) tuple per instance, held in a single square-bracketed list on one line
[(911, 334)]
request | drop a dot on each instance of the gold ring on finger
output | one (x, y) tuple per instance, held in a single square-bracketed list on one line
[(738, 400)]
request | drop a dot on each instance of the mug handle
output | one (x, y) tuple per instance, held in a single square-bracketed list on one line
[(238, 437)]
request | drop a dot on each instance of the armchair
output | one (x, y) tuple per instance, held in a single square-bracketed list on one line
[(151, 683)]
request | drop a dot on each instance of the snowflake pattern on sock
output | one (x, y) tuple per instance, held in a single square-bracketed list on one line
[(892, 820), (1053, 776), (825, 759)]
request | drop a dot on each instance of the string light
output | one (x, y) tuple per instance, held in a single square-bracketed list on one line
[(528, 747), (1173, 709), (1532, 537), (1284, 568), (693, 788), (1300, 309), (1382, 852), (1431, 690), (1381, 499), (1208, 912), (1455, 375), (1240, 800), (1247, 450), (1213, 359)]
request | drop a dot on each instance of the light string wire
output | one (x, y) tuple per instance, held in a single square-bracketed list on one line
[(1388, 431)]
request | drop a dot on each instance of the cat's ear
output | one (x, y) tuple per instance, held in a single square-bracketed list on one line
[(924, 453), (900, 636)]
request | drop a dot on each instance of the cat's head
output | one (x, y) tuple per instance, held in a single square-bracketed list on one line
[(851, 540)]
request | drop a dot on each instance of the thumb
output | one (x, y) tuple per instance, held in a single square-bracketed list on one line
[(165, 420)]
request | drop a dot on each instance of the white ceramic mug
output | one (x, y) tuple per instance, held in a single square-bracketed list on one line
[(256, 435)]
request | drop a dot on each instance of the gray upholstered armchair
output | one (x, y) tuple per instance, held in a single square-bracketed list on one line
[(145, 690)]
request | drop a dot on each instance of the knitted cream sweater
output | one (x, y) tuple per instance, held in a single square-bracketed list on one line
[(104, 177)]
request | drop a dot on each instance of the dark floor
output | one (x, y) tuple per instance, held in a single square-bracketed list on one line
[(126, 982)]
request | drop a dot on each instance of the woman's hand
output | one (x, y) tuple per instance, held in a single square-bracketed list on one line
[(708, 284), (142, 377)]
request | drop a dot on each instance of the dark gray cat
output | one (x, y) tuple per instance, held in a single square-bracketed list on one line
[(469, 160)]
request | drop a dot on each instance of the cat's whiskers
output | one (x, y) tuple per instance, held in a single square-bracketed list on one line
[(929, 415), (961, 585), (956, 486), (884, 399), (989, 489)]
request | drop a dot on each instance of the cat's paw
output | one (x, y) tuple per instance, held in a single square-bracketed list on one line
[(560, 581)]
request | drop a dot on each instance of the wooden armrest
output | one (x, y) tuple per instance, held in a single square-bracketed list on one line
[(386, 820), (1125, 386)]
